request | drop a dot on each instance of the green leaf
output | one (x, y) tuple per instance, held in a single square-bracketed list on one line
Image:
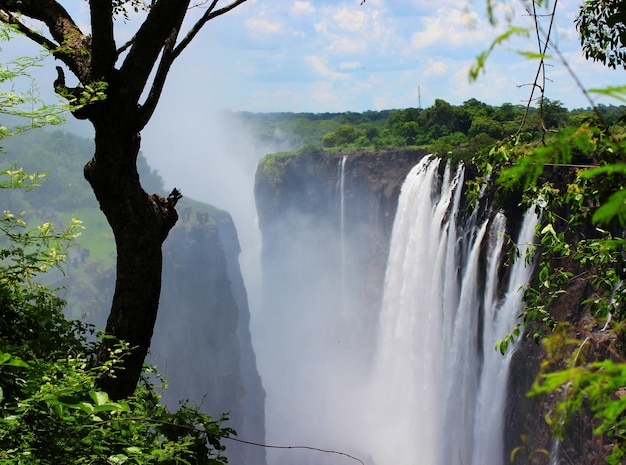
[(616, 92), (614, 207), (604, 169), (99, 397), (549, 229), (12, 360), (117, 459), (532, 55), (85, 407)]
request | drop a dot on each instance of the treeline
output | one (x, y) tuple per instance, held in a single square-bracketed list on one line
[(442, 128)]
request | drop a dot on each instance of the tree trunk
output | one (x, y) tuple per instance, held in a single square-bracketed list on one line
[(140, 223)]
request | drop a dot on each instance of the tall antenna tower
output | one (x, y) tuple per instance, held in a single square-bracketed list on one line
[(419, 97)]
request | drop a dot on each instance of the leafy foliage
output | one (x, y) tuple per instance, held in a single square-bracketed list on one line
[(602, 28), (576, 179), (575, 176), (23, 108), (50, 410)]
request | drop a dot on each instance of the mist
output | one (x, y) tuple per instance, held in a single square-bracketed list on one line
[(211, 157), (309, 341)]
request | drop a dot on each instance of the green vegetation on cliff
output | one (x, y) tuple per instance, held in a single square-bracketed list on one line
[(443, 129)]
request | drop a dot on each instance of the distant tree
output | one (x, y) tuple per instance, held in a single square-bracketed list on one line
[(476, 108), (486, 125), (344, 135), (508, 113), (446, 118), (371, 133), (407, 130), (553, 113), (118, 89)]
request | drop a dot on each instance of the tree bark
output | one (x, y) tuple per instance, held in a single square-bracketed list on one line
[(140, 223)]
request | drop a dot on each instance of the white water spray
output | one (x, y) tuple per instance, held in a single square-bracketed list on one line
[(438, 387)]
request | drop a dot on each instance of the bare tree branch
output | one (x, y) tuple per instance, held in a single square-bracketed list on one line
[(8, 18), (164, 19), (69, 45), (208, 15), (167, 59), (103, 53), (543, 42), (172, 51)]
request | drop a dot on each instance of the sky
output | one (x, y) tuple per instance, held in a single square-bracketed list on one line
[(341, 55)]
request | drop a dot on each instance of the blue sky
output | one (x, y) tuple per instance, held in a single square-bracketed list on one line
[(321, 55)]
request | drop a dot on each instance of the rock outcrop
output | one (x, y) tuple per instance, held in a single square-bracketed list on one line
[(202, 342)]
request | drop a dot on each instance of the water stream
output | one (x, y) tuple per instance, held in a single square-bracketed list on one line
[(438, 385)]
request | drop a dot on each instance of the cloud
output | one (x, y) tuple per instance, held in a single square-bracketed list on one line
[(301, 8), (259, 26), (347, 19), (320, 66), (348, 31), (350, 65), (448, 29), (435, 67)]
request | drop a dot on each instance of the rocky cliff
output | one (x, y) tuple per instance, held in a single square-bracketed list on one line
[(202, 341)]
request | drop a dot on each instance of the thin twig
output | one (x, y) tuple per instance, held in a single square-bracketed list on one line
[(297, 447)]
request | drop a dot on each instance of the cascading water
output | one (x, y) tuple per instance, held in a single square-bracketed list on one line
[(438, 386), (342, 229)]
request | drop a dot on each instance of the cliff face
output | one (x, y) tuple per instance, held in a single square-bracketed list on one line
[(202, 341)]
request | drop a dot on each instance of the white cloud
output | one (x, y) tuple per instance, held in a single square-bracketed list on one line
[(435, 68), (350, 65), (449, 28), (259, 26), (301, 8), (320, 66), (345, 30), (349, 20)]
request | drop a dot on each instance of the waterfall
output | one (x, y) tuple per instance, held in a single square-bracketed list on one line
[(438, 385), (342, 229)]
